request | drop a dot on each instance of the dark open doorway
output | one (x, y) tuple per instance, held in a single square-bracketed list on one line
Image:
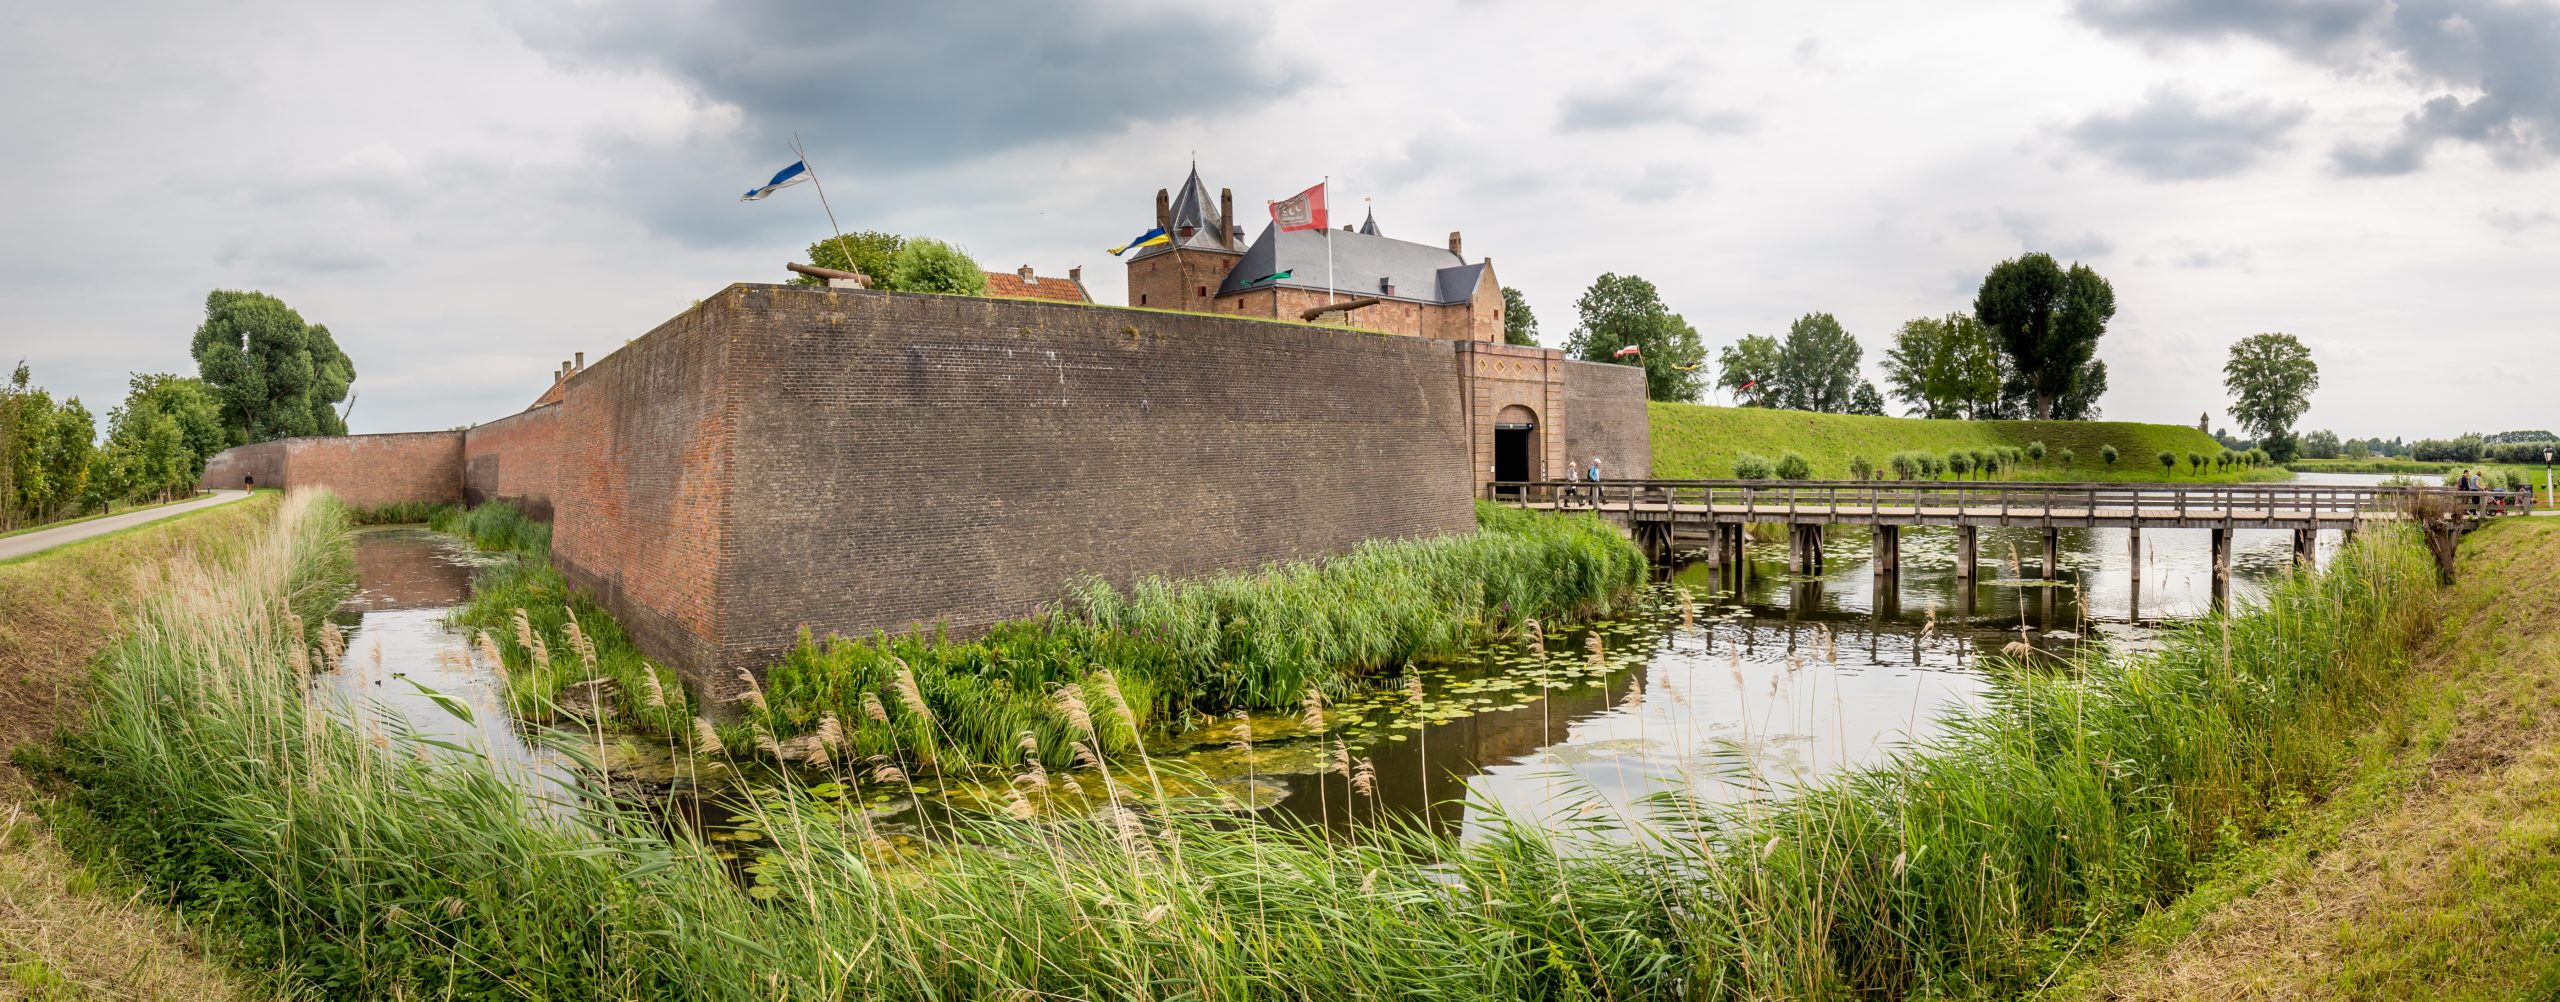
[(1515, 445)]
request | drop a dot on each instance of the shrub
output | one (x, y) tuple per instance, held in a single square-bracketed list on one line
[(2067, 456), (928, 265), (1793, 466), (1906, 466), (2225, 460), (2035, 451), (1862, 468), (1931, 466), (1749, 467), (1960, 462), (2108, 454), (2168, 461)]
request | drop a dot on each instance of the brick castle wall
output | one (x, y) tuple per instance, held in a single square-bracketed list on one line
[(1609, 420), (363, 470), (1499, 376), (639, 493), (513, 459), (224, 470), (901, 459)]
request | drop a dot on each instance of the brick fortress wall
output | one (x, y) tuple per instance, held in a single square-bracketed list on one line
[(899, 459), (1609, 420), (363, 470), (513, 459)]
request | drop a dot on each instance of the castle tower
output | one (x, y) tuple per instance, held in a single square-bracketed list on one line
[(1184, 274)]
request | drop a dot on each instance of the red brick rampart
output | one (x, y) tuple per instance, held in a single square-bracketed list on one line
[(363, 470), (513, 459)]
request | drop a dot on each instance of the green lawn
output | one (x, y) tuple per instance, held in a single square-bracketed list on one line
[(126, 510), (1696, 441)]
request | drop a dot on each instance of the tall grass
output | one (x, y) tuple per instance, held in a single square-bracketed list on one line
[(1967, 866), (1180, 651)]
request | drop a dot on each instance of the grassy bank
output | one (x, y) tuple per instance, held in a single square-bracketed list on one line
[(2510, 472), (1173, 652), (2430, 869), (126, 510), (2029, 831), (1695, 441), (67, 930)]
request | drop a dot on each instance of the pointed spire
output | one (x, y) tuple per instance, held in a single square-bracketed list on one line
[(1369, 226)]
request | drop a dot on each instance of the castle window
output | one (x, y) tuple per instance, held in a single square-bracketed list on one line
[(1204, 291), (1142, 299)]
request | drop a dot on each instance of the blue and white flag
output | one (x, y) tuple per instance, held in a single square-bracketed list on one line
[(784, 178)]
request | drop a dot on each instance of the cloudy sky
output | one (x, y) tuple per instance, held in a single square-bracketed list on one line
[(467, 192)]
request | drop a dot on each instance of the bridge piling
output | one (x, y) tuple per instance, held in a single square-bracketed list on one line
[(2305, 543), (2052, 555), (1968, 552)]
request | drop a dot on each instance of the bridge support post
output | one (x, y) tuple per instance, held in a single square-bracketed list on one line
[(2221, 565), (2305, 543), (2052, 554), (1888, 545), (1968, 552), (2133, 553)]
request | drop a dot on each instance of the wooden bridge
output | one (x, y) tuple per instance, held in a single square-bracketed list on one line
[(1662, 513)]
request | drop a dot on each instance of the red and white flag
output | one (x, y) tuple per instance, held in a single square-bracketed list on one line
[(1626, 351), (1303, 211)]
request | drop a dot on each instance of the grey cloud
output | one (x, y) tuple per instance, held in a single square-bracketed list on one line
[(2498, 51), (2518, 221), (2212, 259), (2174, 136), (1646, 99), (912, 86), (2035, 234), (299, 258)]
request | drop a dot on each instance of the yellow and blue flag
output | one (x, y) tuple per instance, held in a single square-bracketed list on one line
[(1148, 239)]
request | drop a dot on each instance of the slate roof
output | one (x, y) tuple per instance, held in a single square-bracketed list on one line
[(1421, 272), (1195, 206), (1010, 285), (1369, 226)]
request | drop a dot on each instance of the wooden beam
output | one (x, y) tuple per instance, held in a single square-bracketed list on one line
[(1310, 314)]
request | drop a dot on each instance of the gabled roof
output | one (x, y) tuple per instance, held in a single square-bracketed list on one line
[(1011, 285), (1421, 272), (1194, 206)]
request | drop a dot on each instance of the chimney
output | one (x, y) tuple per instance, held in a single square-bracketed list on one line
[(1386, 286), (1076, 274), (582, 362), (1164, 209), (1027, 277), (1457, 246), (1226, 217)]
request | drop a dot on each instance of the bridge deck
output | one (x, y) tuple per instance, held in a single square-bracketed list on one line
[(2146, 516)]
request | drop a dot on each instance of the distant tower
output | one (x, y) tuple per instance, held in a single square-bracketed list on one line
[(1185, 274)]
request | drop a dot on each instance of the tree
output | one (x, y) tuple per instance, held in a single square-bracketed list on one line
[(1793, 466), (924, 264), (1866, 400), (159, 439), (277, 377), (2169, 461), (1944, 367), (1749, 368), (45, 451), (1960, 462), (2048, 322), (2107, 453), (1623, 310), (867, 252), (1519, 323), (1818, 365), (2270, 378), (2195, 461), (1861, 468)]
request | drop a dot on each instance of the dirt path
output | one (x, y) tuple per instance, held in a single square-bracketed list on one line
[(28, 544)]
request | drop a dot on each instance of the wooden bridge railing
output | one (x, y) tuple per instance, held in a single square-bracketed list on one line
[(2031, 503)]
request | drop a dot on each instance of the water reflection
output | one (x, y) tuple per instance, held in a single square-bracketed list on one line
[(401, 648)]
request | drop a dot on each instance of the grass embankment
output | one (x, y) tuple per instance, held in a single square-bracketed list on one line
[(126, 510), (1969, 866), (2431, 869), (2534, 476), (1174, 652), (1692, 441), (64, 931)]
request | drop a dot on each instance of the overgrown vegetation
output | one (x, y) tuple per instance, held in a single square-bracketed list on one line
[(1178, 652), (1969, 866)]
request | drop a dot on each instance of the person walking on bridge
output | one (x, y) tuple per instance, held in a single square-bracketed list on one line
[(1593, 475)]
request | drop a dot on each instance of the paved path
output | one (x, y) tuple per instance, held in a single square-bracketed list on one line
[(13, 547)]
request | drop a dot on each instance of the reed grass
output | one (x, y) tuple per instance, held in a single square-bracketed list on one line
[(1185, 652), (1967, 866)]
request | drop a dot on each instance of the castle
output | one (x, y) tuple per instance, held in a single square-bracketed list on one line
[(1374, 281), (846, 460)]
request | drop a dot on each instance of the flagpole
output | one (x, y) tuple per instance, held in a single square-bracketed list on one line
[(1327, 184), (822, 203)]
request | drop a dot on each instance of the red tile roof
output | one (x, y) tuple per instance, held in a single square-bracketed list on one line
[(559, 389), (1010, 285)]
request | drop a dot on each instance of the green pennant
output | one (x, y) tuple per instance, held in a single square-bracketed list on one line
[(1273, 277)]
